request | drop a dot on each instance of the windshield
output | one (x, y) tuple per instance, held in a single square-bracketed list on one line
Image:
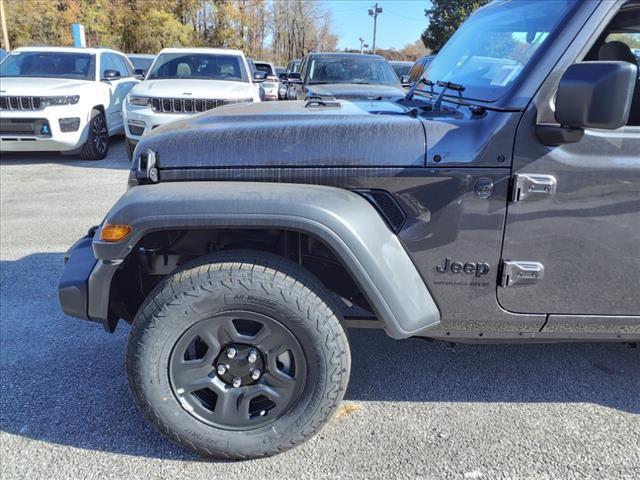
[(201, 66), (492, 48), (369, 71), (77, 66), (141, 63), (266, 68)]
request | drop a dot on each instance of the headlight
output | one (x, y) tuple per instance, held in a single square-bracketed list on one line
[(136, 100), (61, 100)]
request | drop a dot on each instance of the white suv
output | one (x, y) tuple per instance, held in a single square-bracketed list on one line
[(185, 81), (62, 99)]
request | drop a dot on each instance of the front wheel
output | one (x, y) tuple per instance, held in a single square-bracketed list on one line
[(238, 355), (97, 145)]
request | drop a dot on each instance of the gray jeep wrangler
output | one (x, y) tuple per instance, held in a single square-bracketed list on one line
[(498, 201)]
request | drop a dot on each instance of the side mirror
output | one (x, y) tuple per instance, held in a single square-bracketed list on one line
[(259, 76), (282, 76), (590, 95), (139, 73), (404, 80), (295, 77), (110, 74)]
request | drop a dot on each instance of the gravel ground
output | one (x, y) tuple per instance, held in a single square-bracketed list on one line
[(413, 409)]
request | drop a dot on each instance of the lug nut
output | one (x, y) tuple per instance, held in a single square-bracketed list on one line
[(222, 369), (237, 382), (253, 356), (255, 373), (231, 352)]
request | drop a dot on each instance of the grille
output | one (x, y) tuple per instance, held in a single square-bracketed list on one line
[(190, 105), (38, 127), (20, 103)]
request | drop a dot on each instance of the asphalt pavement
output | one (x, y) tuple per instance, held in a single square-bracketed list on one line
[(413, 409)]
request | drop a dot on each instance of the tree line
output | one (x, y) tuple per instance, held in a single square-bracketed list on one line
[(269, 30)]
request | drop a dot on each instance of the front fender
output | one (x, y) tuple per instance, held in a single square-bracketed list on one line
[(345, 221)]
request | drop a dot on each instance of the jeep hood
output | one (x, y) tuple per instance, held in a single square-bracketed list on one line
[(293, 133), (185, 88), (28, 86)]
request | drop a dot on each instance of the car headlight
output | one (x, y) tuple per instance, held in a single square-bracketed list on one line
[(137, 100), (61, 100)]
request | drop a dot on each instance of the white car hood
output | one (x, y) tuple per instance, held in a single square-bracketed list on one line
[(183, 88), (29, 86)]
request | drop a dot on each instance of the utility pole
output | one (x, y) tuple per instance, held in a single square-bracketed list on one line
[(374, 12), (3, 24), (362, 45)]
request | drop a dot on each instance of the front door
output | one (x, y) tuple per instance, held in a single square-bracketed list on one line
[(582, 236)]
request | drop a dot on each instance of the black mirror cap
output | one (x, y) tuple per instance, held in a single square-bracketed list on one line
[(259, 76), (282, 76), (110, 74), (596, 95), (139, 71), (295, 76)]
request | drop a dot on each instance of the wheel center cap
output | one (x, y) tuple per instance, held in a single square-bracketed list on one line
[(239, 365)]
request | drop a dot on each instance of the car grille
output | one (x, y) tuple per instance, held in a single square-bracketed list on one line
[(20, 103), (38, 127), (190, 105)]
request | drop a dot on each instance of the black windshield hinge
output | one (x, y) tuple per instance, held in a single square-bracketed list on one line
[(147, 171), (437, 105)]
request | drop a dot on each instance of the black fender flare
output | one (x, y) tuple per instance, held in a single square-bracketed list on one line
[(345, 221)]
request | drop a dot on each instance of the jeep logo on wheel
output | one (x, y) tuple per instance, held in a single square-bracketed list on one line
[(470, 268)]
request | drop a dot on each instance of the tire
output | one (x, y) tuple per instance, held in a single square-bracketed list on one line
[(130, 149), (223, 298), (97, 145)]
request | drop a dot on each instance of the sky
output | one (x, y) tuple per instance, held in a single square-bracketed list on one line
[(401, 22)]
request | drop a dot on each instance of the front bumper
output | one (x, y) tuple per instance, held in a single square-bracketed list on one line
[(22, 131), (83, 290), (141, 120)]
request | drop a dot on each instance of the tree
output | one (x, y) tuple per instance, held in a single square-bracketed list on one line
[(445, 16)]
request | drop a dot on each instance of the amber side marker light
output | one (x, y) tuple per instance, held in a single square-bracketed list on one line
[(114, 233)]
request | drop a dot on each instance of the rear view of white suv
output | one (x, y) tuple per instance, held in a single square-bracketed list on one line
[(186, 81), (62, 99)]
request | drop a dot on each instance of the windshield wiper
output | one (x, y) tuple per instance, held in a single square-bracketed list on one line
[(415, 86), (437, 105)]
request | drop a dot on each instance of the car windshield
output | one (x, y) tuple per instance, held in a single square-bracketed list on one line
[(201, 66), (370, 71), (401, 68), (78, 66), (266, 68), (493, 47), (141, 63)]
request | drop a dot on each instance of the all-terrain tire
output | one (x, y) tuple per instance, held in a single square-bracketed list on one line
[(238, 281), (97, 145)]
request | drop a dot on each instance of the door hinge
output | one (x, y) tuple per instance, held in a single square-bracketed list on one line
[(147, 170), (532, 186), (520, 273)]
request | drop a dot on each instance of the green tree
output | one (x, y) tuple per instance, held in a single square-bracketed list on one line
[(445, 16)]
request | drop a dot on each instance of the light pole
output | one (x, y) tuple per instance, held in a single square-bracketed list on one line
[(362, 45), (374, 12)]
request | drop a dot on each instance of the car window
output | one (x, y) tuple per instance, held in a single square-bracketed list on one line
[(202, 66), (123, 66), (369, 71), (80, 66), (417, 70), (107, 63), (264, 67)]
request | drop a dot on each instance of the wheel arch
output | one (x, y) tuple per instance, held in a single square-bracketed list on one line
[(342, 220)]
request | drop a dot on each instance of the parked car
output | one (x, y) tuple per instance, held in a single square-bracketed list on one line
[(402, 71), (186, 81), (271, 84), (292, 67), (141, 63), (495, 206), (344, 75), (63, 99), (418, 68)]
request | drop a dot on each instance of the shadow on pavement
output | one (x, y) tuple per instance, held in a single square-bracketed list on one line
[(116, 158), (62, 380)]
